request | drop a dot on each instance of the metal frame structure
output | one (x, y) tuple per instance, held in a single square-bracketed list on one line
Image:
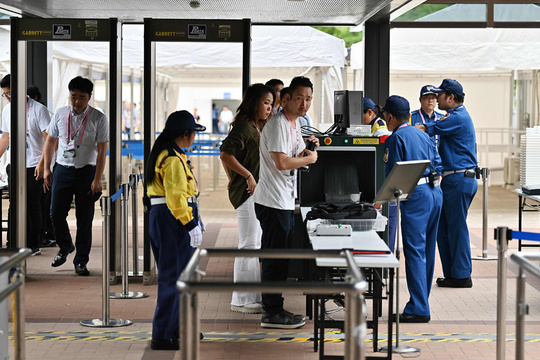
[(43, 30), (196, 30), (190, 285)]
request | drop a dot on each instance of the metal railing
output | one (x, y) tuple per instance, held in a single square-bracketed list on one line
[(354, 287), (503, 235), (16, 286), (522, 308)]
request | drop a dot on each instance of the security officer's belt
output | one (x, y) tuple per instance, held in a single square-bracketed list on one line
[(157, 200), (451, 172), (425, 180)]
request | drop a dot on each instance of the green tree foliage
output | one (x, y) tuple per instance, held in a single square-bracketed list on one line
[(342, 32)]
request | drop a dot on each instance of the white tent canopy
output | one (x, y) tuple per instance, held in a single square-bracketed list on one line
[(461, 50)]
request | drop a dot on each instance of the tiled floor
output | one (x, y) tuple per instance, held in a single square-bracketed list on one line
[(463, 321)]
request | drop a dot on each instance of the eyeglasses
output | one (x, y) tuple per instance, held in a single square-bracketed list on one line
[(6, 95)]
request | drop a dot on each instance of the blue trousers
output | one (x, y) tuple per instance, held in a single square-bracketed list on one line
[(453, 238), (277, 232), (419, 223), (69, 182), (172, 250), (392, 225)]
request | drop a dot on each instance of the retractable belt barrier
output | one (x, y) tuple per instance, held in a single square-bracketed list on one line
[(106, 321), (124, 235), (503, 235)]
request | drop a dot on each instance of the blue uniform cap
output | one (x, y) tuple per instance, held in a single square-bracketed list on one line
[(451, 86), (368, 104), (428, 89), (397, 106), (182, 121)]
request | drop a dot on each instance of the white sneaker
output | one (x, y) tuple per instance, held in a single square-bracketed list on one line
[(253, 308)]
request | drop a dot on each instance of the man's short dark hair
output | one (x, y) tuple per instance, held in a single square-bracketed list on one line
[(81, 84), (273, 82), (6, 82), (299, 81), (457, 98)]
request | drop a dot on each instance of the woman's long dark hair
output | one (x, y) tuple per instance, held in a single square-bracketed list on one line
[(249, 109), (165, 140)]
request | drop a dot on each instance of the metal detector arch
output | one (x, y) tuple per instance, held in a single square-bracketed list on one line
[(24, 30), (183, 30)]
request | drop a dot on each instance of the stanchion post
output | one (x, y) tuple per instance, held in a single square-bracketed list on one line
[(185, 325), (106, 321), (124, 249), (134, 178), (501, 236), (484, 256)]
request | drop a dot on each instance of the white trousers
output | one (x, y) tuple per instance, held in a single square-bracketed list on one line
[(247, 269)]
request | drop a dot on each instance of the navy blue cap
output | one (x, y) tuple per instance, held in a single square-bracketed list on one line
[(428, 89), (182, 121), (397, 106), (368, 104), (451, 86)]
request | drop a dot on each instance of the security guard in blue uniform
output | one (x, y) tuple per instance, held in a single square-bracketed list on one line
[(459, 185), (420, 214), (427, 113)]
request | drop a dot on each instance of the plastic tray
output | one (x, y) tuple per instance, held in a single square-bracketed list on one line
[(378, 224)]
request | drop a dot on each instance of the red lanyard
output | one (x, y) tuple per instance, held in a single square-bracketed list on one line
[(83, 124)]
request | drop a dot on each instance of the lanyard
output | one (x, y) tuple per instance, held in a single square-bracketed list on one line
[(293, 138), (403, 124), (83, 124)]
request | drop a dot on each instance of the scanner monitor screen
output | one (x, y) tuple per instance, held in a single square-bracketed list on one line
[(404, 176), (348, 108)]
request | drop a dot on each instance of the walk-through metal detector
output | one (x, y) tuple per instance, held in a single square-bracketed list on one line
[(168, 30), (24, 30)]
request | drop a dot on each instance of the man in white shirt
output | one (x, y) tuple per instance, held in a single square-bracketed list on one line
[(82, 135), (37, 119), (225, 118), (282, 151)]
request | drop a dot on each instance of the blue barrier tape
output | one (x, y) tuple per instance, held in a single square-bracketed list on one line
[(116, 195), (523, 235)]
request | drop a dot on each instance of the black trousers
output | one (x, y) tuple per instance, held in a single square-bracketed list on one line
[(277, 232), (69, 182)]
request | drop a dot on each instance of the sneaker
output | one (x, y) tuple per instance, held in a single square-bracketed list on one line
[(454, 283), (48, 242), (158, 344), (253, 308), (36, 252), (282, 320)]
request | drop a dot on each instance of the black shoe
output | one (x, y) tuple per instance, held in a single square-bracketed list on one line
[(411, 318), (158, 344), (282, 320), (81, 270), (201, 336), (61, 257), (454, 283)]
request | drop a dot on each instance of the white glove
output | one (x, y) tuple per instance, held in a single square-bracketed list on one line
[(201, 224), (195, 235)]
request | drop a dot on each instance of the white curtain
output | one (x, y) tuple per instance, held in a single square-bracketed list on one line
[(63, 72)]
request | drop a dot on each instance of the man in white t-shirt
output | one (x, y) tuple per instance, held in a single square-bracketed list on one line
[(282, 151), (37, 119), (225, 118)]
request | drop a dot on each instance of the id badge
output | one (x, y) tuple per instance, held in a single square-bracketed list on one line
[(70, 146)]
